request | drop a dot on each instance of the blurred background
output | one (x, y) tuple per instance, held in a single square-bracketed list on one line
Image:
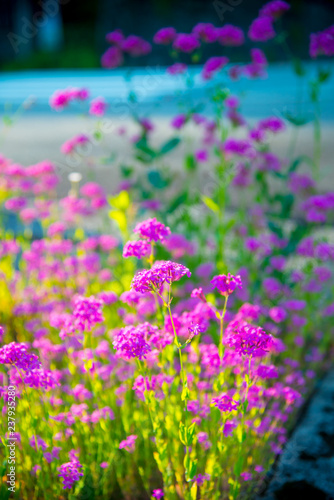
[(47, 34)]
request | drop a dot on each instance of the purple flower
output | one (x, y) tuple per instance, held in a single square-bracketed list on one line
[(152, 230), (226, 284), (261, 29), (177, 69), (136, 46), (248, 340), (277, 314), (230, 36), (207, 32), (201, 478), (247, 476), (225, 403), (87, 312), (70, 472), (17, 354), (139, 249), (115, 37), (39, 378), (186, 43), (160, 273), (165, 36), (129, 443), (178, 121), (240, 147), (131, 341), (112, 58), (157, 494), (274, 9), (213, 65), (322, 43)]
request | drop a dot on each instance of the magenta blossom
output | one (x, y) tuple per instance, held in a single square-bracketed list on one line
[(322, 43), (160, 273), (225, 403), (230, 36), (152, 230), (226, 284), (70, 472), (248, 340), (139, 249), (131, 341), (98, 106), (165, 36), (17, 354), (207, 32), (274, 9), (186, 43), (128, 444), (261, 29), (112, 58)]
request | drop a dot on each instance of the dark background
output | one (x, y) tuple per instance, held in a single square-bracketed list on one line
[(75, 36)]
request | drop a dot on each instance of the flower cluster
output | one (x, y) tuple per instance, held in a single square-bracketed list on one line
[(160, 273)]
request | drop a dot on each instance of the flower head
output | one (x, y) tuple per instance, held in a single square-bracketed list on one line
[(274, 9), (139, 249), (70, 472), (17, 354), (129, 443), (152, 230), (161, 272), (131, 341), (248, 340), (87, 312), (226, 284), (261, 29), (225, 403)]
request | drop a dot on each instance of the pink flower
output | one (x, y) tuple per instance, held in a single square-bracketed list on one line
[(186, 43), (98, 106), (201, 155), (258, 57), (152, 230), (165, 36), (137, 249), (178, 121), (207, 32), (322, 43), (226, 284), (230, 36), (28, 215), (261, 29), (16, 204), (92, 190), (213, 65), (225, 403), (274, 9), (112, 58), (177, 69), (246, 476), (136, 46), (160, 273), (115, 37), (129, 443)]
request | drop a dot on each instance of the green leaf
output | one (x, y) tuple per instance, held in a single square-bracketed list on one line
[(210, 204), (190, 162), (298, 161), (179, 200), (156, 179), (297, 121), (182, 433), (169, 145)]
